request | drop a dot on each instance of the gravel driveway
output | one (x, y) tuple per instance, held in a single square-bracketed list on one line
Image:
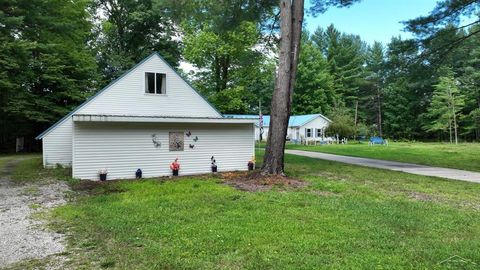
[(22, 236)]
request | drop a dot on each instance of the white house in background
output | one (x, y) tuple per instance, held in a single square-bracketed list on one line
[(144, 120), (300, 127)]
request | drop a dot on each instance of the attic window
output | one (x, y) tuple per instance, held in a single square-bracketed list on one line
[(155, 83)]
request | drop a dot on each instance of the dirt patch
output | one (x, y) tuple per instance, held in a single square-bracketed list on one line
[(247, 181), (439, 199), (255, 181), (422, 197), (98, 187), (331, 176)]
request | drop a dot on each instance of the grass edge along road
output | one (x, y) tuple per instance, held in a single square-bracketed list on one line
[(463, 156)]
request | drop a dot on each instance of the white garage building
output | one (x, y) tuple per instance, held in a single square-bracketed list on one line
[(144, 120), (308, 127)]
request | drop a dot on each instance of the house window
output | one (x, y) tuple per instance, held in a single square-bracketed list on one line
[(308, 132), (319, 133), (155, 83)]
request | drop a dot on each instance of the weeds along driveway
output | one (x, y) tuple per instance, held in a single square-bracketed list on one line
[(22, 236)]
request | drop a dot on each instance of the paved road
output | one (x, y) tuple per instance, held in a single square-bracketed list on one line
[(395, 166)]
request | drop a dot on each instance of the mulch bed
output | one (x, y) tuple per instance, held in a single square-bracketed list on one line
[(247, 181), (255, 181), (98, 187)]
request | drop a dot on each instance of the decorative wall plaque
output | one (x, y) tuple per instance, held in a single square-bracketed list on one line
[(176, 141)]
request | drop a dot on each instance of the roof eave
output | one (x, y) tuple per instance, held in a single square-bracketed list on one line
[(157, 119)]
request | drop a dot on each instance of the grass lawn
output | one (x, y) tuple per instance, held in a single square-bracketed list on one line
[(6, 158), (3, 161), (349, 217), (30, 168), (463, 156)]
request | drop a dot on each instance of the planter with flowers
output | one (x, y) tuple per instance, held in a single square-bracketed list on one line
[(214, 164), (103, 174), (251, 165), (175, 167)]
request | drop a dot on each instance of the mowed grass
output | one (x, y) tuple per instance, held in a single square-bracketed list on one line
[(3, 161), (464, 156), (13, 159), (30, 169), (349, 217)]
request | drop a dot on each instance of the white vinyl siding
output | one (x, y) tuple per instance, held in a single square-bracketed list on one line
[(57, 145), (317, 123), (122, 148), (127, 96)]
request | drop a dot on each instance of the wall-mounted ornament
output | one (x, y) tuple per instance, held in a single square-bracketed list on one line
[(188, 133), (176, 141), (195, 139), (191, 146), (156, 141)]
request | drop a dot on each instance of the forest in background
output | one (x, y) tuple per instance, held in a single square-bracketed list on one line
[(55, 54)]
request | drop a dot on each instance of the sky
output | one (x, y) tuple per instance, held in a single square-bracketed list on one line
[(372, 20)]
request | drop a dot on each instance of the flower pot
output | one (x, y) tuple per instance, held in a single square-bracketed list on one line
[(214, 169), (103, 177), (250, 166), (175, 172), (138, 174)]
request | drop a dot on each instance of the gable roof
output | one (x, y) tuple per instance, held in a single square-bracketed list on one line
[(294, 121), (43, 134)]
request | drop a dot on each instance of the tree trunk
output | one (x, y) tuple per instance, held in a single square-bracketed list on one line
[(355, 132), (454, 120), (477, 122), (291, 18), (224, 77), (297, 20), (379, 116), (356, 112), (217, 73), (450, 128), (455, 128)]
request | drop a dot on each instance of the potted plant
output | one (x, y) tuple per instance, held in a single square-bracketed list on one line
[(214, 164), (138, 173), (103, 174), (251, 165), (175, 167)]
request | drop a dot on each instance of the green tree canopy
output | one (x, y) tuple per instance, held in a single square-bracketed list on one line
[(445, 107), (47, 68), (128, 31)]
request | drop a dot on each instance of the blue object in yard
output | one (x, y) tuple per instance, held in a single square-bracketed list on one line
[(138, 174), (377, 140)]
